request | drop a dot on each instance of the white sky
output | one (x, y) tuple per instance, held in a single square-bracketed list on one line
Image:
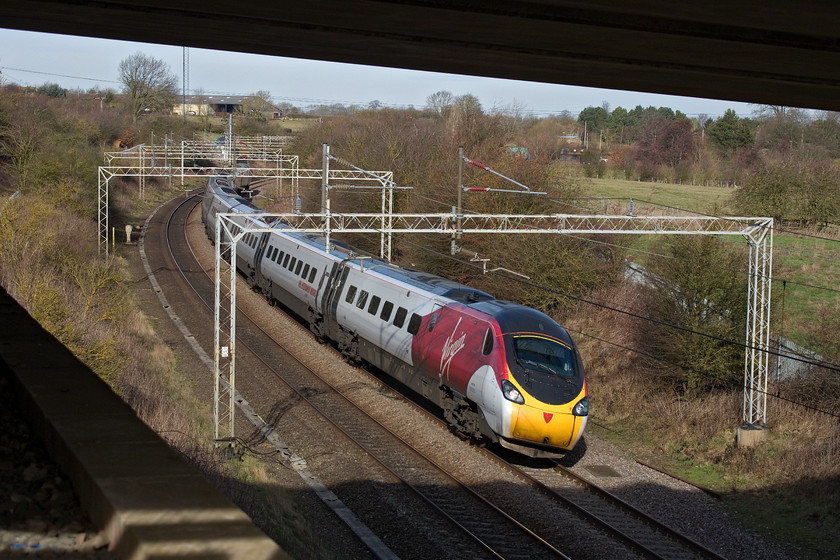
[(28, 58)]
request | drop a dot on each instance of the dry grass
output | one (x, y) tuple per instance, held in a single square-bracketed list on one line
[(62, 282), (787, 486)]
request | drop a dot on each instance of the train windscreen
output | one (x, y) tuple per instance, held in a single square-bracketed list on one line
[(543, 355), (546, 368)]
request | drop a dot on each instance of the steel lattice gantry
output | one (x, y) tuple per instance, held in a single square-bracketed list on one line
[(758, 232), (144, 162)]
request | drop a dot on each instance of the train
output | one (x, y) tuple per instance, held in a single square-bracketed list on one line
[(500, 372)]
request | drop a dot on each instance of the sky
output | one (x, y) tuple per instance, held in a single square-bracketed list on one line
[(28, 58)]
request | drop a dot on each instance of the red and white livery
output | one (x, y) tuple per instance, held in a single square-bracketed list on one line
[(500, 371)]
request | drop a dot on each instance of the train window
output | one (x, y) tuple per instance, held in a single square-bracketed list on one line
[(351, 293), (305, 272), (312, 274), (292, 264), (488, 342), (414, 323), (297, 268), (539, 354), (363, 295), (273, 253), (374, 305), (386, 311), (433, 322), (280, 257), (344, 274), (399, 318), (286, 261)]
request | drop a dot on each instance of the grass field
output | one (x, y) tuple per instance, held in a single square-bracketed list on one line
[(805, 267), (695, 198), (279, 127)]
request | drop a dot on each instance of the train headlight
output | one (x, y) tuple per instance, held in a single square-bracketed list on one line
[(582, 407), (511, 393)]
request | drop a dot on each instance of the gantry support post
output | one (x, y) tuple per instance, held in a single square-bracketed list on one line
[(756, 367), (227, 233), (102, 184)]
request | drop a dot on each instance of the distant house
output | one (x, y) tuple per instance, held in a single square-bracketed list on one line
[(209, 105), (219, 106)]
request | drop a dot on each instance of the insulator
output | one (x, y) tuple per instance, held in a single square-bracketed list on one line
[(342, 161)]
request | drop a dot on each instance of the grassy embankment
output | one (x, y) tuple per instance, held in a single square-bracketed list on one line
[(803, 265), (786, 487)]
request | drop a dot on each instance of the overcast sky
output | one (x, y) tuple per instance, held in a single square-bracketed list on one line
[(28, 58)]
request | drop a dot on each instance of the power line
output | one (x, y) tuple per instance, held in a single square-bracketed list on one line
[(58, 75), (663, 256), (825, 365), (666, 362)]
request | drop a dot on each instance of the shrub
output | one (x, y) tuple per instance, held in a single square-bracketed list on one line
[(701, 288)]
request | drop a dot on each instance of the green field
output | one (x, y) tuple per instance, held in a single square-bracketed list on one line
[(805, 268), (695, 198)]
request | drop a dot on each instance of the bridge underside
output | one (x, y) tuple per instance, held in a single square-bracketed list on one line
[(766, 52)]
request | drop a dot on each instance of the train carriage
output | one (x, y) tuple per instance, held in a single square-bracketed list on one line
[(500, 371)]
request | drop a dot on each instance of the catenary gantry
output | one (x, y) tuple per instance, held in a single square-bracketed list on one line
[(267, 161)]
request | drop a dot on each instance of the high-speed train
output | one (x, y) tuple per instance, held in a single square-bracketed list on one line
[(501, 372)]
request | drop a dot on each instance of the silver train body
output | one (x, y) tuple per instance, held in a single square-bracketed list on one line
[(500, 371)]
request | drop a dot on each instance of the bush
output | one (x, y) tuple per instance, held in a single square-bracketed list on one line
[(798, 187), (700, 286)]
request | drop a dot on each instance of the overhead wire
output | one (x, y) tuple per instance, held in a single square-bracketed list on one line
[(796, 357), (661, 255), (58, 75)]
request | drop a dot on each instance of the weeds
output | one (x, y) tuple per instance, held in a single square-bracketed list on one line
[(787, 487)]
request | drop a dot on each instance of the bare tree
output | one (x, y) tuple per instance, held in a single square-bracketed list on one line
[(440, 102), (257, 104), (148, 82)]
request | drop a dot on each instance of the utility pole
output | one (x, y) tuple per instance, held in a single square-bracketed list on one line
[(325, 168), (456, 235)]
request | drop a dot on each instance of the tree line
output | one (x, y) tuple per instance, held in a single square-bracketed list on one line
[(781, 160), (50, 146)]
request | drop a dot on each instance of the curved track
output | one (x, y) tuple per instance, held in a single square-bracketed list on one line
[(471, 516)]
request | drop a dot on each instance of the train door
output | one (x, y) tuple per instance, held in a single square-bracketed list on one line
[(332, 293), (261, 280)]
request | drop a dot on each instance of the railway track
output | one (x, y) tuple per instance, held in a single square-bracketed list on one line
[(471, 514), (471, 517), (642, 532)]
